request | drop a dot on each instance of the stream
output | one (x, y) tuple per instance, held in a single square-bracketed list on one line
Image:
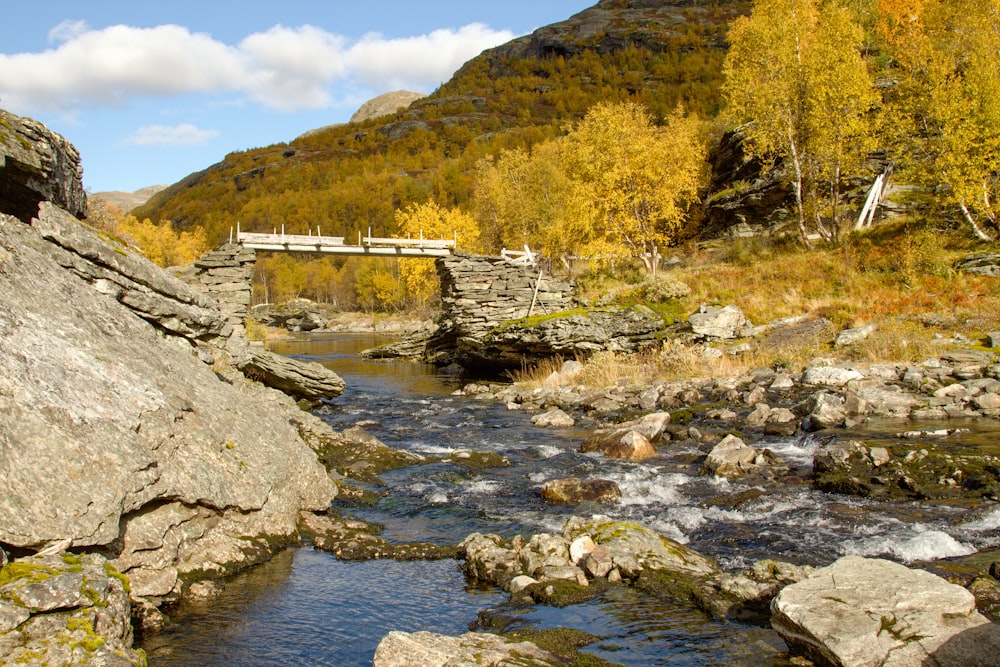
[(305, 607)]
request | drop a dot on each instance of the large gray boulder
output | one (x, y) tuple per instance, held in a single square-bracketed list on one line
[(515, 343), (862, 612), (723, 323), (115, 435)]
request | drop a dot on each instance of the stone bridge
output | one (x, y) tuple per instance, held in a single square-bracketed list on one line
[(477, 293)]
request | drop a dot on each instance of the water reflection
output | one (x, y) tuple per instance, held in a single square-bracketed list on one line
[(306, 608)]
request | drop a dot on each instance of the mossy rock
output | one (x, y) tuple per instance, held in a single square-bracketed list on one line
[(563, 593), (923, 471), (565, 643)]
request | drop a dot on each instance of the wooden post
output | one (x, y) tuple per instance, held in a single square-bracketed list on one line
[(534, 297)]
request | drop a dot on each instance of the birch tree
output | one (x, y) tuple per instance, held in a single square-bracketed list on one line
[(634, 180), (796, 81), (944, 110)]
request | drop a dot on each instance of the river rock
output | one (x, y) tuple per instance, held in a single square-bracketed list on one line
[(554, 418), (425, 649), (829, 376), (632, 446), (517, 343), (634, 548), (489, 558), (862, 612), (723, 323), (573, 491), (65, 609), (733, 458), (919, 470), (824, 410)]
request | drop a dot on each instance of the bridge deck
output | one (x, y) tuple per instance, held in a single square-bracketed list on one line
[(335, 245)]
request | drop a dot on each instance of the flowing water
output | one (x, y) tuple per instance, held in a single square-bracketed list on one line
[(307, 608)]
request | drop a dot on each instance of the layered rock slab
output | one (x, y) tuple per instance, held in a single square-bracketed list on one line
[(103, 419), (861, 612)]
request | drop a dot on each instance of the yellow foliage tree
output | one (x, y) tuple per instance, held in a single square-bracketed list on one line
[(526, 197), (161, 244), (796, 81), (635, 180), (430, 221), (945, 108)]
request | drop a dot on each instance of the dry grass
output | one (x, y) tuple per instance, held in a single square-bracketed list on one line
[(899, 277)]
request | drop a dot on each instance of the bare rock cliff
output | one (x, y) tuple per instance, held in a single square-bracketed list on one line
[(124, 428)]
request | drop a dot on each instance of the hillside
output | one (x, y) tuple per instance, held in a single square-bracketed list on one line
[(350, 177)]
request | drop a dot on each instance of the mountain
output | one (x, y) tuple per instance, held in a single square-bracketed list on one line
[(126, 201), (352, 177)]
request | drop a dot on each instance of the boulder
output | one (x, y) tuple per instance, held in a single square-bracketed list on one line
[(309, 381), (916, 469), (723, 323), (573, 491), (489, 558), (518, 342), (634, 548), (554, 418), (426, 649), (829, 376), (825, 410), (733, 458), (632, 446), (861, 612)]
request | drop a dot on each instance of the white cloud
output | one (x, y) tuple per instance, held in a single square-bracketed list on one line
[(429, 59), (184, 134), (283, 68)]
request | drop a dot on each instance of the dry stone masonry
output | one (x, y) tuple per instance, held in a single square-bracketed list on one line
[(480, 293), (225, 274)]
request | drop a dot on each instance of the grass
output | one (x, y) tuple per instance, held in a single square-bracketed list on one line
[(898, 276)]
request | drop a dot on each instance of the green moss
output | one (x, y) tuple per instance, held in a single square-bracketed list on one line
[(113, 572), (29, 658), (91, 640), (30, 572), (563, 593)]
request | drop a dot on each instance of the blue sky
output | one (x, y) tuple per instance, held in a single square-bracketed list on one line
[(150, 92)]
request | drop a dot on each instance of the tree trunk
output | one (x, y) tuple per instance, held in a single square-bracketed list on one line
[(980, 234)]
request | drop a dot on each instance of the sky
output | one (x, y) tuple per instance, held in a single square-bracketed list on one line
[(150, 92)]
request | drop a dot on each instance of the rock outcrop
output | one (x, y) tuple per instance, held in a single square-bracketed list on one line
[(37, 165), (587, 550), (479, 294), (863, 612), (385, 104), (118, 437), (516, 344)]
